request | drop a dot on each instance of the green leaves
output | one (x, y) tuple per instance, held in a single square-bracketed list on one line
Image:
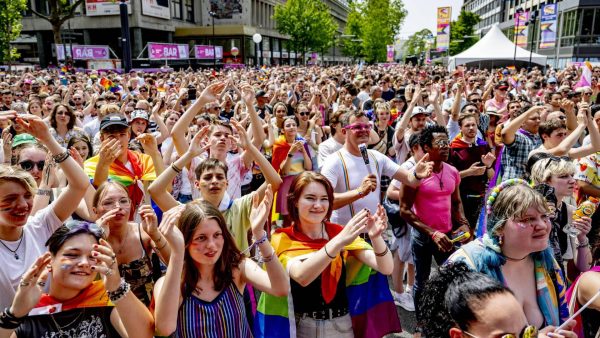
[(417, 43), (462, 29), (308, 24), (11, 13)]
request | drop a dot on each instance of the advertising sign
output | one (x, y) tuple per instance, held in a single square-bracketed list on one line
[(84, 52), (548, 26), (167, 51), (103, 7), (204, 52), (444, 15), (156, 8)]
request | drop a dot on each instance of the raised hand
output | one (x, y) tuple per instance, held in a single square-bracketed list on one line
[(149, 220), (377, 223), (355, 227), (106, 264), (488, 159), (110, 149), (212, 92), (148, 142), (76, 156), (424, 167), (31, 287), (260, 212), (168, 227), (243, 140), (199, 146), (35, 126)]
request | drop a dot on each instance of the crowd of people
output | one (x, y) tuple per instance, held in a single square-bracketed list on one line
[(300, 202)]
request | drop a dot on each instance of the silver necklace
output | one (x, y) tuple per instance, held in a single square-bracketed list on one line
[(62, 333), (14, 252)]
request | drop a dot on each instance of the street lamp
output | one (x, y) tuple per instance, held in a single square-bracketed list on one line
[(257, 38), (212, 15), (518, 12), (532, 24)]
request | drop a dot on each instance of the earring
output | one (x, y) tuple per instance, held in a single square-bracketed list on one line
[(500, 239)]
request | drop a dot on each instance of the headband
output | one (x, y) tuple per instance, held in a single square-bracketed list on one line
[(497, 189)]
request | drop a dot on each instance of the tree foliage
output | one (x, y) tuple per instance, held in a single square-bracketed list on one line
[(353, 31), (462, 29), (11, 13), (382, 21), (417, 43), (60, 12), (308, 24)]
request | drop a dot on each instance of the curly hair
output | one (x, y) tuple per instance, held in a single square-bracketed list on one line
[(452, 296), (426, 137)]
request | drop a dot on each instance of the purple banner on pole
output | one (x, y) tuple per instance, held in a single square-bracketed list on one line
[(204, 52), (90, 52), (167, 51), (548, 26)]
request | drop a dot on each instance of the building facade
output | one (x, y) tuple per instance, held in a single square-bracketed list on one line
[(578, 30), (232, 24)]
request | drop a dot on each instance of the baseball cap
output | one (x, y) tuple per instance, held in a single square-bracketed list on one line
[(552, 80), (260, 93), (23, 139), (418, 110), (113, 120), (501, 85), (492, 111), (139, 114)]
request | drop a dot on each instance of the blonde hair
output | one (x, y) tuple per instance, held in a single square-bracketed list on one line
[(110, 108), (514, 201), (17, 175), (544, 169)]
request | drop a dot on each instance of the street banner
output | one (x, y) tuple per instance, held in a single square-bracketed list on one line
[(167, 51), (103, 7), (204, 52), (156, 8), (84, 52), (444, 14), (390, 53), (548, 26), (521, 28)]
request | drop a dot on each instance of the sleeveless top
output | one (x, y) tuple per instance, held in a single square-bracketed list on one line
[(225, 316), (142, 273)]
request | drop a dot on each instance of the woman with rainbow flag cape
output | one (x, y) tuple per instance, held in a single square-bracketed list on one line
[(201, 293), (515, 251), (78, 304), (335, 290)]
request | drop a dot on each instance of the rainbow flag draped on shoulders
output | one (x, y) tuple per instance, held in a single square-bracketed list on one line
[(93, 296), (370, 302)]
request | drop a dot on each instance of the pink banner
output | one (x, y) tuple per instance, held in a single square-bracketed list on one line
[(167, 51), (390, 53), (205, 52), (90, 52)]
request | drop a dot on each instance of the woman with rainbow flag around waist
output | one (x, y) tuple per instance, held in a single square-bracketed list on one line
[(335, 288)]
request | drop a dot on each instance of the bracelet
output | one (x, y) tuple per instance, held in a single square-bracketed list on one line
[(59, 158), (327, 253), (162, 247), (433, 234), (268, 258), (175, 169), (9, 321), (120, 292), (261, 240), (44, 192), (585, 244), (381, 254), (416, 176)]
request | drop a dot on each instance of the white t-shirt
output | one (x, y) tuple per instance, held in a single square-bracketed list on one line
[(356, 171), (327, 148), (409, 165), (36, 232)]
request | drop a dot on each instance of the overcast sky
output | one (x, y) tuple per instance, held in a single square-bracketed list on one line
[(422, 14)]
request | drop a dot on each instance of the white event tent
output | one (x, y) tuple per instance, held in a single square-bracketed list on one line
[(494, 50)]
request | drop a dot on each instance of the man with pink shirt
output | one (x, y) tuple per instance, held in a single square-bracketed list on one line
[(433, 208), (499, 101)]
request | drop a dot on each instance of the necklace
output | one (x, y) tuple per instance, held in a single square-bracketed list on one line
[(440, 178), (61, 333), (14, 252), (514, 259)]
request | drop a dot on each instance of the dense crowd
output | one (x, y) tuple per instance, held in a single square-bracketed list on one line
[(277, 202)]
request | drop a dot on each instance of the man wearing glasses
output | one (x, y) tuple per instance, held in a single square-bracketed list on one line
[(499, 101), (355, 183)]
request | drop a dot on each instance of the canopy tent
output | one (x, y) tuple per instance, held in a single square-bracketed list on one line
[(494, 50)]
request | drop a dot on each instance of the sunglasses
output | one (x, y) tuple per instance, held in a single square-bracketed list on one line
[(303, 113), (62, 112), (476, 100), (92, 228), (529, 331), (442, 143), (356, 127), (557, 159), (77, 99), (29, 164), (143, 90)]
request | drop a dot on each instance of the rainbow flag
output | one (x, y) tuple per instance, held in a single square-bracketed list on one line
[(370, 302), (586, 75), (109, 85), (92, 296)]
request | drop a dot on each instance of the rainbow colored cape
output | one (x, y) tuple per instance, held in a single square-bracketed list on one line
[(370, 302), (93, 296)]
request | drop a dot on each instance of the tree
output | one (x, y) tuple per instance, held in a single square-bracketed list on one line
[(353, 29), (417, 43), (308, 24), (11, 14), (60, 12), (461, 32), (382, 21)]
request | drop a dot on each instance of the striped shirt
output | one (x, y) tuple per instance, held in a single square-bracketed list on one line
[(225, 316)]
